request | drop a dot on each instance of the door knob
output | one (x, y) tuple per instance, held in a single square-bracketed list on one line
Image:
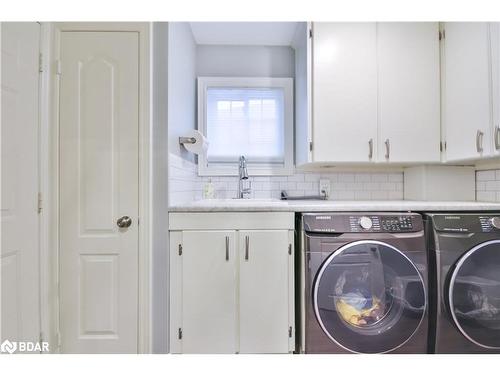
[(124, 222)]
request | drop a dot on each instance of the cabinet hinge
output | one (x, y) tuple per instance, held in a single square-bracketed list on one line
[(40, 341), (179, 333), (310, 146), (310, 33), (290, 331), (40, 63), (442, 146), (290, 249), (58, 340), (39, 208), (442, 34), (58, 67), (180, 249)]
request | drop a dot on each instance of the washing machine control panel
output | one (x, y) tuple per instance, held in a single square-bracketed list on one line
[(362, 222), (489, 224), (467, 223), (381, 223), (397, 224)]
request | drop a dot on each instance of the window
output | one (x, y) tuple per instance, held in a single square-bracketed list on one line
[(246, 116)]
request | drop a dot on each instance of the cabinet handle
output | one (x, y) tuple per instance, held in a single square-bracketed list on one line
[(387, 149), (370, 148), (479, 141), (247, 246), (227, 248), (497, 141)]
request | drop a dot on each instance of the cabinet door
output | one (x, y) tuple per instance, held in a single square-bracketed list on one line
[(408, 73), (344, 92), (466, 94), (208, 292), (495, 65), (302, 44), (264, 291)]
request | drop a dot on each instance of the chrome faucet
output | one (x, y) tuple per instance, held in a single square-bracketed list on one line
[(243, 192)]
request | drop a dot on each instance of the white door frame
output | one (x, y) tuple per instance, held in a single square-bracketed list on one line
[(51, 34)]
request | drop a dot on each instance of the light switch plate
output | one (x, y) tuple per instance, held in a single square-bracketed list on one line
[(324, 187)]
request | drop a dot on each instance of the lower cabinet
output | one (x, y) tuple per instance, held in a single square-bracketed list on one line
[(231, 289), (208, 291), (264, 291)]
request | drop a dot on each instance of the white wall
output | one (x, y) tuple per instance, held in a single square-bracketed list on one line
[(182, 83), (245, 61), (159, 189)]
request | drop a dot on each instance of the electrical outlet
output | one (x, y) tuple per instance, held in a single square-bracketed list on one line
[(324, 187)]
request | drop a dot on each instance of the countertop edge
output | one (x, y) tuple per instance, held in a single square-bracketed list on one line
[(341, 206)]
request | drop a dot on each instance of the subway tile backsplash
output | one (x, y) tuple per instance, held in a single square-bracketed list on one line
[(488, 185), (185, 185), (183, 180)]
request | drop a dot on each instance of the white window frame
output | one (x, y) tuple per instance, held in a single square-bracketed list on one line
[(254, 169)]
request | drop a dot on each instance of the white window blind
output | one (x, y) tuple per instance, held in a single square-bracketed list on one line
[(245, 121)]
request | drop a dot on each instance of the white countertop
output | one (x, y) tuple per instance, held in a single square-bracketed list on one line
[(263, 205)]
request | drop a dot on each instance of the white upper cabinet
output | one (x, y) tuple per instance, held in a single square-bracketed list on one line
[(374, 93), (408, 92), (495, 64), (344, 92), (466, 95), (302, 43)]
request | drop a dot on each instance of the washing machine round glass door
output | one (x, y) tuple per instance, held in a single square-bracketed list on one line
[(474, 294), (369, 297)]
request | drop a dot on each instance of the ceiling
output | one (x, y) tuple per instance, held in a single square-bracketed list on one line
[(244, 33)]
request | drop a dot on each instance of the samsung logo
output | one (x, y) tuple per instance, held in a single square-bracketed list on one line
[(323, 218)]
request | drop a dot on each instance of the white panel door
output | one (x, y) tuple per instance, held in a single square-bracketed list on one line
[(264, 291), (20, 314), (98, 185), (208, 292), (495, 65), (344, 92), (466, 94), (409, 91)]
